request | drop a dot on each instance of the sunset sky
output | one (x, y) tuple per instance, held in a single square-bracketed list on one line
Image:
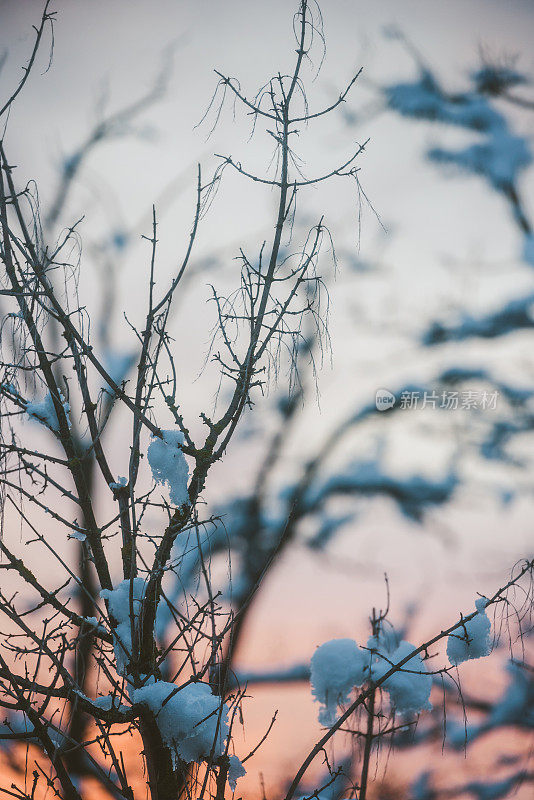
[(431, 245)]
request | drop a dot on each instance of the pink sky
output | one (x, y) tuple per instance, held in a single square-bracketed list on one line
[(449, 241)]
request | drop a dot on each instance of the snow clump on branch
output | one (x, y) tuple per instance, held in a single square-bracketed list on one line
[(45, 413), (337, 667), (409, 688), (473, 639), (192, 722), (498, 155), (119, 608), (169, 466)]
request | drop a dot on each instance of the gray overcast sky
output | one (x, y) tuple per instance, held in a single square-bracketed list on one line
[(121, 42)]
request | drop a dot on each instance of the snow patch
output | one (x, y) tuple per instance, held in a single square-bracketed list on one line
[(337, 667), (191, 720), (236, 770), (120, 483), (500, 158), (119, 608), (409, 688), (80, 537), (45, 413), (473, 638), (169, 466)]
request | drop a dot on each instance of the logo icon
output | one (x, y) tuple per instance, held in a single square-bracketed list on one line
[(384, 399)]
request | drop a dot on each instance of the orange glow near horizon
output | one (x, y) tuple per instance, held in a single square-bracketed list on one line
[(296, 731)]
